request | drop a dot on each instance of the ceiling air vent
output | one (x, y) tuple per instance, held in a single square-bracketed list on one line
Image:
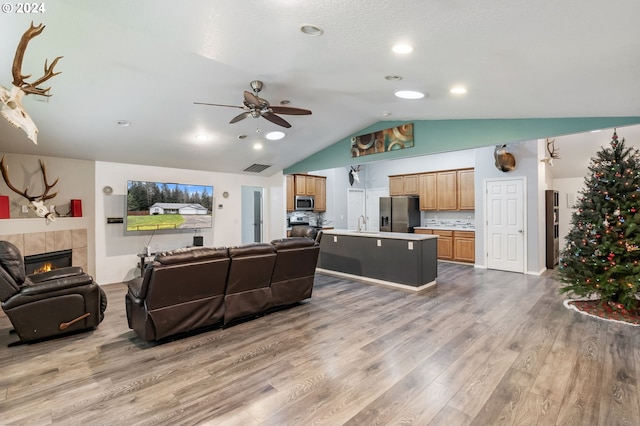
[(257, 168)]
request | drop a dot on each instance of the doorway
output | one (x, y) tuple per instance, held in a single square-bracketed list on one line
[(505, 213), (373, 207), (355, 207), (252, 212)]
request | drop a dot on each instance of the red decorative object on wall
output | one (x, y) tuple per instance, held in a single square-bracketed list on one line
[(4, 207), (76, 208)]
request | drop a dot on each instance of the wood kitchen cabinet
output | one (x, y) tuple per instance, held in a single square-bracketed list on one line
[(445, 244), (464, 246), (466, 189), (290, 183), (320, 194), (396, 185), (446, 190), (403, 185), (307, 185), (427, 191)]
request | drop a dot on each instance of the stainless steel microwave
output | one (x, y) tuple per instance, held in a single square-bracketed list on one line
[(304, 202)]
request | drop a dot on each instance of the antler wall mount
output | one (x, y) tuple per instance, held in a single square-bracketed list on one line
[(553, 152), (12, 108), (36, 202)]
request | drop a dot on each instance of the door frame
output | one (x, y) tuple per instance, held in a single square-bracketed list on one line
[(247, 216), (362, 193), (525, 237)]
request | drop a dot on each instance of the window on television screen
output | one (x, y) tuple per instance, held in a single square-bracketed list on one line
[(153, 206)]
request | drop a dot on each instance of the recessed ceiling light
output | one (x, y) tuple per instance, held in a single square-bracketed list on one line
[(394, 77), (202, 137), (386, 114), (274, 136), (458, 90), (123, 123), (402, 48), (257, 146), (409, 94), (312, 30)]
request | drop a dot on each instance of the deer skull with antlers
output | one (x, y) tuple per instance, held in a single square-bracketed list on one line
[(11, 99), (36, 203), (553, 152)]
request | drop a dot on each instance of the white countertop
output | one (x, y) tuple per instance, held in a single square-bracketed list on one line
[(387, 235), (469, 228)]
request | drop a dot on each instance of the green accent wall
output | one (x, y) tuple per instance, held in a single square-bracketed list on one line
[(433, 136)]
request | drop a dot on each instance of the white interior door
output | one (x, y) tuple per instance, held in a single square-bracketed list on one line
[(505, 225), (373, 207), (355, 207), (252, 211)]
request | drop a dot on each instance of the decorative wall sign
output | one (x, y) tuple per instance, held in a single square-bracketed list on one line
[(398, 137)]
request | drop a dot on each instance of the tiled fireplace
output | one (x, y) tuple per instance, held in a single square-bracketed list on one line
[(36, 243)]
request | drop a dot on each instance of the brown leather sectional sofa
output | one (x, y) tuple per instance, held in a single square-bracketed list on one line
[(193, 288)]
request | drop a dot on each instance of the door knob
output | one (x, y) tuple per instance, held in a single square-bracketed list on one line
[(520, 231)]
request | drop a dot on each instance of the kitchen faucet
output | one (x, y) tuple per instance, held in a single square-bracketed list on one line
[(363, 222)]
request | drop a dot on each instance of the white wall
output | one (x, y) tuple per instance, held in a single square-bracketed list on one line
[(527, 165), (115, 255), (568, 191)]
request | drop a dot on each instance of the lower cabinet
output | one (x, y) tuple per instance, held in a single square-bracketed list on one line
[(459, 246), (464, 246)]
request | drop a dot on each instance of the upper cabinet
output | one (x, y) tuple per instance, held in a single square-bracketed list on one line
[(307, 185), (446, 190), (441, 190), (466, 190), (427, 191), (403, 185), (290, 193)]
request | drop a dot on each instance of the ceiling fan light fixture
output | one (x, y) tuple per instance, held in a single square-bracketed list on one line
[(409, 94), (275, 135), (312, 30)]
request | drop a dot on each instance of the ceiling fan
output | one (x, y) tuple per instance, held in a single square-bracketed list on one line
[(256, 107)]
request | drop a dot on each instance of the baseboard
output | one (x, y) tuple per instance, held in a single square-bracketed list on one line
[(376, 281)]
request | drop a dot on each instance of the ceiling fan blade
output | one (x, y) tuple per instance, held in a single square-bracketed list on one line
[(229, 106), (276, 120), (290, 110), (252, 99), (240, 117)]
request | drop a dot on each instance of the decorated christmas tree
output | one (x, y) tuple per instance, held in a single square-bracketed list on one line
[(601, 256)]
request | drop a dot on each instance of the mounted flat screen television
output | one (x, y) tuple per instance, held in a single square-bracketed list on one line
[(157, 206)]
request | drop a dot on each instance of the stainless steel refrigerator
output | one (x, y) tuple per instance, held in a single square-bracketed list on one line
[(399, 214)]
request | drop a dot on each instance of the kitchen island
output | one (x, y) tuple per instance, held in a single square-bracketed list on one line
[(402, 260)]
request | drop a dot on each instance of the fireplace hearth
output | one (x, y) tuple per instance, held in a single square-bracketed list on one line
[(43, 262)]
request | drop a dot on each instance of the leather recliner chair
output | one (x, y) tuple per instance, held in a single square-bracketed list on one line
[(294, 271), (47, 304), (180, 291), (248, 290), (303, 231)]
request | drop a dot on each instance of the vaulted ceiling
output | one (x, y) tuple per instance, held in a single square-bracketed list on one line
[(147, 61)]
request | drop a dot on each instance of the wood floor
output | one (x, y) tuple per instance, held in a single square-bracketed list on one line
[(483, 348)]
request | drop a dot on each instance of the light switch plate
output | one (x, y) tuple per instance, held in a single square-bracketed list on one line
[(379, 243), (410, 245), (335, 238)]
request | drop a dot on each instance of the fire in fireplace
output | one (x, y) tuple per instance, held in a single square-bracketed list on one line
[(43, 262)]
